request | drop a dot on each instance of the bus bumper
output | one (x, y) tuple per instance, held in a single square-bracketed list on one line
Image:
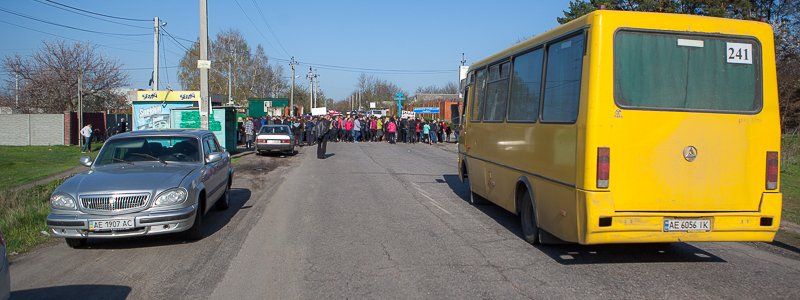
[(648, 227)]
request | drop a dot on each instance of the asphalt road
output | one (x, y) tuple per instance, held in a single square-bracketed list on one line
[(387, 221)]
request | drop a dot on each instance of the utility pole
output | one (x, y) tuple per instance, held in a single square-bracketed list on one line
[(230, 76), (205, 103), (316, 90), (16, 90), (310, 77), (156, 29), (292, 63), (80, 108)]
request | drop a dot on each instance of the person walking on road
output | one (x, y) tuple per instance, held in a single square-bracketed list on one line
[(391, 128), (426, 132), (373, 129), (447, 131), (323, 133), (417, 131), (309, 132), (249, 132), (348, 128), (86, 133), (356, 130)]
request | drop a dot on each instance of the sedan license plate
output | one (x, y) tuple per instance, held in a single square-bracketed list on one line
[(687, 225), (107, 225), (273, 142)]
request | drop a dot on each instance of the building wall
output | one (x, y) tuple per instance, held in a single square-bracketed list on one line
[(32, 129)]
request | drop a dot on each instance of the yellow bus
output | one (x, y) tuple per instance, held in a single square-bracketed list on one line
[(629, 127)]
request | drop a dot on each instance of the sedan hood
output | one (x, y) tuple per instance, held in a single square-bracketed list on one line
[(143, 176)]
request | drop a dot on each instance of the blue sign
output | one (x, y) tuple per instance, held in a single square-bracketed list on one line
[(426, 110), (399, 97)]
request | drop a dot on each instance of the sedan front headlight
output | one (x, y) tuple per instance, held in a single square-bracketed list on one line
[(171, 197), (62, 201)]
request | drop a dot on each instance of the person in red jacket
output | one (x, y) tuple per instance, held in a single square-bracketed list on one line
[(391, 128), (348, 128)]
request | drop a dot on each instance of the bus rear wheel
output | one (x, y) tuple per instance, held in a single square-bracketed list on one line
[(527, 216)]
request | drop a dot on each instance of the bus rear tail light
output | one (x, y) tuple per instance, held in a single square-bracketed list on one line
[(603, 166), (772, 170)]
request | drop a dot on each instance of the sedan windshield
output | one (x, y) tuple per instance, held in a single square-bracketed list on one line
[(274, 130), (151, 148)]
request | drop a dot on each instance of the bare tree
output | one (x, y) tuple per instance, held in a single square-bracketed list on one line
[(251, 72), (448, 88), (49, 78)]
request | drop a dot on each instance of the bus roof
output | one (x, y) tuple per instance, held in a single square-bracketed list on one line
[(587, 19)]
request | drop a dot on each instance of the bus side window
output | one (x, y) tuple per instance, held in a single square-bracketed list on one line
[(526, 87), (563, 80), (476, 108)]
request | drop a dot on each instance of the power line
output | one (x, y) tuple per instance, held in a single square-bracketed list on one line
[(269, 27), (99, 14), (174, 39), (254, 24), (68, 38), (88, 15), (70, 27), (367, 70)]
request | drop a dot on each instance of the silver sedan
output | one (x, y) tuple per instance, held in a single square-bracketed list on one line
[(143, 183)]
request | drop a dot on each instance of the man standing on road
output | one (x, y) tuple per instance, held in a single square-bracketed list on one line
[(403, 130), (323, 131), (249, 130), (86, 133), (357, 129)]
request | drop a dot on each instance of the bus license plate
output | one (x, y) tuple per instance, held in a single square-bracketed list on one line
[(687, 225), (106, 225)]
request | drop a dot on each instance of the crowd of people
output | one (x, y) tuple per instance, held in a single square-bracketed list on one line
[(308, 130)]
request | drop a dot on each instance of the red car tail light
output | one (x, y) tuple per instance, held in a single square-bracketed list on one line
[(772, 170), (286, 141), (603, 166)]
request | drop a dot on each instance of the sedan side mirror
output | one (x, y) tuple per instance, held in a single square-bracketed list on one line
[(214, 157), (86, 161)]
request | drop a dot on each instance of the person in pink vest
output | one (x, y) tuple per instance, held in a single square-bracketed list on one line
[(348, 128), (391, 128), (373, 128)]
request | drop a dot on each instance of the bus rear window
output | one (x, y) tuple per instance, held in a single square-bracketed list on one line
[(667, 71)]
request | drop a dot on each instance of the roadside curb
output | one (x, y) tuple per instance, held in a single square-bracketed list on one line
[(240, 154)]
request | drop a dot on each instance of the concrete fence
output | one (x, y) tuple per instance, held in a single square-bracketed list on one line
[(32, 129)]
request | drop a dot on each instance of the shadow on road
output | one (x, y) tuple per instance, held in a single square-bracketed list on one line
[(81, 291), (571, 254), (213, 222)]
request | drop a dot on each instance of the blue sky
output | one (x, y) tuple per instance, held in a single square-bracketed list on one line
[(386, 35)]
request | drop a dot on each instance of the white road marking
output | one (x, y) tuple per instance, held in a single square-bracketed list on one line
[(434, 202)]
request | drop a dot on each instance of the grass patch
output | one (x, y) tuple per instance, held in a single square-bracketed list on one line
[(24, 164), (23, 214), (790, 178)]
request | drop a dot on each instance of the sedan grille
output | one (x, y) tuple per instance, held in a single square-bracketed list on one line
[(113, 203)]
